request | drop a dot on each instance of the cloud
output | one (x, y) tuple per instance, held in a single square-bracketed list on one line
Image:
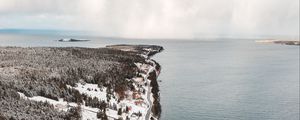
[(156, 18)]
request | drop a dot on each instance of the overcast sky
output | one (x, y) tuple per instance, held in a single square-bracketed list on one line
[(155, 18)]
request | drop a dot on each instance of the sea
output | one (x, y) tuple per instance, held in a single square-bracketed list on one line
[(207, 78)]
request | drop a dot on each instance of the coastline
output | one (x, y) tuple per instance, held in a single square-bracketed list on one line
[(151, 77), (283, 42), (57, 64)]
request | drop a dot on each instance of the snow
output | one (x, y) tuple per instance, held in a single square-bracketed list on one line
[(60, 104), (89, 113), (142, 105), (147, 68), (112, 113), (86, 112), (92, 90)]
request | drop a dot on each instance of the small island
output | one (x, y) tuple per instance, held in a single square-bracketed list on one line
[(73, 40), (73, 83)]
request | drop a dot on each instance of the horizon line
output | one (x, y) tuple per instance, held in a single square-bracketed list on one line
[(81, 33)]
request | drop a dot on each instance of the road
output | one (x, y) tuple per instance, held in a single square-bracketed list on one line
[(147, 117)]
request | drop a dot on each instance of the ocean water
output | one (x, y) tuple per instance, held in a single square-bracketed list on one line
[(211, 79)]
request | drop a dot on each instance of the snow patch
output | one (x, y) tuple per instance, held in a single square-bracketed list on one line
[(91, 90)]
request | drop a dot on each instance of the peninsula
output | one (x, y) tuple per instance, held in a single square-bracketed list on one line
[(73, 83), (283, 42)]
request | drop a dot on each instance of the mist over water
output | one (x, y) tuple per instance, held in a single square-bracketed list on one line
[(157, 18)]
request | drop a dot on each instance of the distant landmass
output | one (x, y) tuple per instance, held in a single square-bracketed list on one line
[(41, 32), (284, 42), (73, 40)]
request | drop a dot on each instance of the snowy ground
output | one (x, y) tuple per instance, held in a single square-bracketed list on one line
[(141, 103), (91, 89)]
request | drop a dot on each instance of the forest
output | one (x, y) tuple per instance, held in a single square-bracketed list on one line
[(46, 71)]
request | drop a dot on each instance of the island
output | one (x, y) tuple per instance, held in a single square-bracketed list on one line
[(74, 83), (72, 40), (283, 42)]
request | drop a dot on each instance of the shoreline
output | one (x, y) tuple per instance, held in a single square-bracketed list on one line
[(80, 65), (283, 42), (148, 53)]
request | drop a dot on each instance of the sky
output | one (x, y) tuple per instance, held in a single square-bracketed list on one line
[(155, 18)]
